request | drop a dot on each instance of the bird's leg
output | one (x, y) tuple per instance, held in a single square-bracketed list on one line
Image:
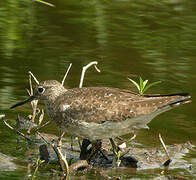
[(87, 152), (114, 147), (84, 151), (166, 163)]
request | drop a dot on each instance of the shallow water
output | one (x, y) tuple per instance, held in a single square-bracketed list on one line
[(155, 40)]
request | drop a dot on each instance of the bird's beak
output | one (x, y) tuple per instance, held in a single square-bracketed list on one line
[(23, 102)]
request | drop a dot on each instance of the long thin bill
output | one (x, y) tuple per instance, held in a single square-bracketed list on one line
[(23, 102)]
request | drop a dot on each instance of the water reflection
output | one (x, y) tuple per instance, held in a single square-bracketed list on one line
[(163, 36)]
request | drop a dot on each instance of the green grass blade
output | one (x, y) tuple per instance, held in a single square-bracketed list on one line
[(135, 83), (141, 85), (150, 85), (144, 84)]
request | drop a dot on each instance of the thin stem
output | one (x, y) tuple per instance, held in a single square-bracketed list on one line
[(164, 147), (132, 138), (43, 138), (66, 74), (41, 126), (62, 158), (84, 70), (63, 162), (34, 102), (37, 82), (41, 117), (30, 84)]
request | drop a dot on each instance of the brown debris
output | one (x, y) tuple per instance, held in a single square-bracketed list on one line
[(81, 164)]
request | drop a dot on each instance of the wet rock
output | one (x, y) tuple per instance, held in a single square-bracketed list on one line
[(6, 163), (81, 164), (150, 158), (44, 154), (129, 161)]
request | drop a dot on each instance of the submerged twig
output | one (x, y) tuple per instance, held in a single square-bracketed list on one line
[(164, 147), (45, 124), (43, 138), (66, 74), (132, 138), (62, 158), (63, 162), (166, 163), (77, 165), (84, 70)]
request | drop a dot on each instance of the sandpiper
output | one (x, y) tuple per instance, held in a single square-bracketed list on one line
[(96, 113)]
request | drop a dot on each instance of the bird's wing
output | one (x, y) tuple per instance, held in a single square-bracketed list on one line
[(109, 104)]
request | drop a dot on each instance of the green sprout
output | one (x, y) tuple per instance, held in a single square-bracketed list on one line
[(37, 163), (142, 86)]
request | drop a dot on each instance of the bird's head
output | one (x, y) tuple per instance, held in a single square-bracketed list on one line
[(46, 90)]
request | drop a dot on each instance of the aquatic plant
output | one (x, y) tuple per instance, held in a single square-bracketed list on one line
[(37, 163), (142, 85)]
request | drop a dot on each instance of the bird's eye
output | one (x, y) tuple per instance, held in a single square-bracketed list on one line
[(41, 90)]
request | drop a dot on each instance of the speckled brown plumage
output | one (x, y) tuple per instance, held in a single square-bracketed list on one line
[(99, 104), (80, 111)]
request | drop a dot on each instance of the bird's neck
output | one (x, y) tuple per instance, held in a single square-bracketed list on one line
[(51, 101), (52, 97)]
